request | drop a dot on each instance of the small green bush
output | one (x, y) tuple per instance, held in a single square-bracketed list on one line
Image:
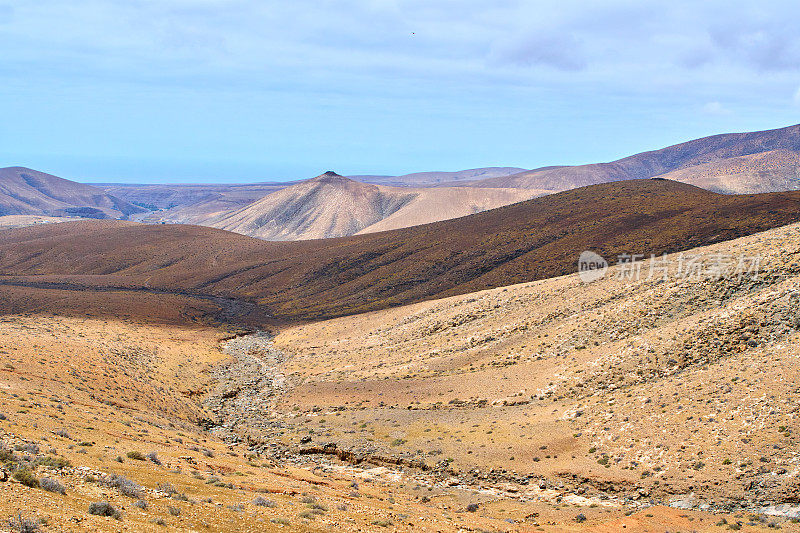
[(53, 462), (26, 477)]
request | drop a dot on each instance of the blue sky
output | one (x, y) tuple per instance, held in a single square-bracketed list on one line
[(244, 90)]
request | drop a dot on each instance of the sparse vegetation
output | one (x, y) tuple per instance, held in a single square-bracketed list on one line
[(7, 456), (104, 509), (52, 485), (51, 461), (20, 524), (153, 457), (126, 487), (263, 502), (167, 488), (25, 476)]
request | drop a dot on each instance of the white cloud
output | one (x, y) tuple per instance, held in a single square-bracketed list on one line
[(614, 41)]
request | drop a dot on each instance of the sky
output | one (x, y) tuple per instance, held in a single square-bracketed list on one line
[(152, 91)]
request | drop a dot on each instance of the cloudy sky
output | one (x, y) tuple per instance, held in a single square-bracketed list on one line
[(243, 90)]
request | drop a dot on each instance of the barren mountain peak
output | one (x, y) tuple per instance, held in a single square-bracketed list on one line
[(331, 205), (330, 175)]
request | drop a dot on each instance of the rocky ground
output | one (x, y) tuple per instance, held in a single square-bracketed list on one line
[(649, 405), (678, 392), (98, 412)]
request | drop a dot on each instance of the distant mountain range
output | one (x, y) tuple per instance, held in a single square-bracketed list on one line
[(208, 204), (333, 206), (736, 163), (762, 161), (27, 192)]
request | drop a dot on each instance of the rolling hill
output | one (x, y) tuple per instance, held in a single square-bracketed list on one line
[(331, 205), (530, 240), (699, 162), (28, 192)]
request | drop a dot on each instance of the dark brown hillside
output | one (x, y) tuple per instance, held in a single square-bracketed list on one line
[(530, 240)]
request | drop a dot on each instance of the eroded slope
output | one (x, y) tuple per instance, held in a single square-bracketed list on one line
[(663, 388)]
